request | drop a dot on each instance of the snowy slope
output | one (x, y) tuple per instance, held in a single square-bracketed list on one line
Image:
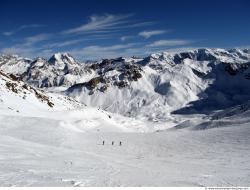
[(168, 82), (21, 100), (190, 126), (61, 145), (39, 152), (17, 99)]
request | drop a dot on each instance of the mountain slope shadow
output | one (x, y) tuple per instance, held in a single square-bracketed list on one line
[(230, 87)]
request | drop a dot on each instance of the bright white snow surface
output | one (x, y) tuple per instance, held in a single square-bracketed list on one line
[(63, 147), (38, 151)]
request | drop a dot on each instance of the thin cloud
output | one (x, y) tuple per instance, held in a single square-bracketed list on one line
[(113, 47), (31, 26), (97, 22), (106, 23), (148, 34), (99, 52), (63, 44), (140, 24), (98, 27), (19, 50), (93, 37), (241, 47), (125, 38), (28, 46), (31, 40), (10, 33), (29, 52), (176, 42)]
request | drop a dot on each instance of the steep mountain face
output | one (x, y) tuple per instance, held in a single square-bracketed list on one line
[(195, 81)]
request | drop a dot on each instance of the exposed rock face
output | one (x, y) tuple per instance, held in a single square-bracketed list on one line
[(13, 84), (111, 72), (121, 84)]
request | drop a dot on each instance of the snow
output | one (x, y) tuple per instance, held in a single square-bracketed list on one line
[(185, 122), (14, 64), (62, 146), (39, 152), (156, 93)]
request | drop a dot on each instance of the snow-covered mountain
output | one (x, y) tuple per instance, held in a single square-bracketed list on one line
[(14, 64), (49, 138), (19, 100), (194, 81), (60, 70), (17, 97), (197, 80)]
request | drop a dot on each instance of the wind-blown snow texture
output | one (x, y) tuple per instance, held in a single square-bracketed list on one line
[(183, 119)]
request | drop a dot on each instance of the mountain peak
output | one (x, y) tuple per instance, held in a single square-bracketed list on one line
[(60, 58)]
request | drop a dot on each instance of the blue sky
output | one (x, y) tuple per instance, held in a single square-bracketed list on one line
[(110, 28)]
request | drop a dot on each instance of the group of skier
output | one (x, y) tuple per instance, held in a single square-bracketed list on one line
[(112, 143)]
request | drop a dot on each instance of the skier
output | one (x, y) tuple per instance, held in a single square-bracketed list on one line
[(120, 143), (112, 143), (103, 142)]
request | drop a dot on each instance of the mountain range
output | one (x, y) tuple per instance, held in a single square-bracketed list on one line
[(154, 88)]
